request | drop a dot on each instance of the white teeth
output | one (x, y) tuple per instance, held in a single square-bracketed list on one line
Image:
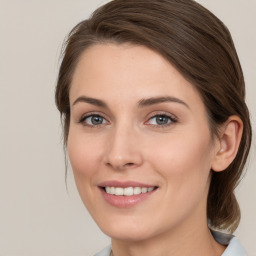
[(108, 190), (144, 190), (150, 189), (137, 191), (112, 190), (119, 191), (128, 191)]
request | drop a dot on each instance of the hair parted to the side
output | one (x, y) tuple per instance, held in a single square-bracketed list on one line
[(199, 45)]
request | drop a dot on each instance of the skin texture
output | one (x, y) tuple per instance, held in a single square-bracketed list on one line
[(129, 145)]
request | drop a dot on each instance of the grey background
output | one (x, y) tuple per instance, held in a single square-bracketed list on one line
[(38, 217)]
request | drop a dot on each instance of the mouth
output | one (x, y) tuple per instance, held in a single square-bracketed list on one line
[(126, 194), (127, 191)]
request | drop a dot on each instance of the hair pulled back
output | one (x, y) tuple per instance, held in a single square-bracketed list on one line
[(200, 46)]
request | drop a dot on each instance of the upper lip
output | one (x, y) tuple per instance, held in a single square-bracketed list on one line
[(124, 184)]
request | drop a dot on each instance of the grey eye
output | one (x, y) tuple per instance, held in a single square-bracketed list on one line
[(160, 120), (94, 120)]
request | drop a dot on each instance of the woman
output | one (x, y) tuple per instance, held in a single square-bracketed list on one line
[(156, 127)]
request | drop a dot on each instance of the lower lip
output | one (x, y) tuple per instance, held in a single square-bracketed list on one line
[(125, 201)]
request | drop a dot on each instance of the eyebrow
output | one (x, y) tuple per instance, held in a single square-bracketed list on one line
[(141, 103), (157, 100), (92, 101)]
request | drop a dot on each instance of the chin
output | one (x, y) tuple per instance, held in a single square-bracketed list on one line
[(127, 233), (129, 228)]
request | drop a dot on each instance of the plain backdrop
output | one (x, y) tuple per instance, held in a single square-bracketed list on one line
[(38, 217)]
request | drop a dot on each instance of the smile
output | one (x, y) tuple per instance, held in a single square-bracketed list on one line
[(126, 194), (128, 191)]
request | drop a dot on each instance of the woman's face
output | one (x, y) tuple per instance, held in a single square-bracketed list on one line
[(139, 143)]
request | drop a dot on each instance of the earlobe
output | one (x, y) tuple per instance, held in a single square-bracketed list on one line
[(229, 141)]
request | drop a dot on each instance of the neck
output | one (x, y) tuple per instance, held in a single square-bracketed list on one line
[(190, 238), (177, 245)]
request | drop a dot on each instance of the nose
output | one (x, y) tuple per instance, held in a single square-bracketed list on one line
[(122, 149)]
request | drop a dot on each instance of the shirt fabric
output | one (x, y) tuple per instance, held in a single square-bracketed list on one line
[(234, 248)]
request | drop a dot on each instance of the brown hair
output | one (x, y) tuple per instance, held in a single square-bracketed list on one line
[(200, 46)]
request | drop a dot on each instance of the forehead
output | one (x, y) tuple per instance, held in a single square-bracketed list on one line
[(125, 72)]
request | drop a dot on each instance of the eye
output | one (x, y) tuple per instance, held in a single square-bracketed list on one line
[(161, 120), (93, 120)]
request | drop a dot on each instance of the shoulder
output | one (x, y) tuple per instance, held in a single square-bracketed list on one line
[(105, 252), (234, 247)]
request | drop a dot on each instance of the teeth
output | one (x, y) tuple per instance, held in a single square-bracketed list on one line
[(127, 191), (108, 190), (144, 190), (112, 190), (130, 191), (119, 191), (150, 189), (137, 191)]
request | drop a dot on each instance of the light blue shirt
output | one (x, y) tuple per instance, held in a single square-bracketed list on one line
[(234, 247)]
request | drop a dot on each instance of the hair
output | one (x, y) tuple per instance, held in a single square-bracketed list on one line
[(200, 47)]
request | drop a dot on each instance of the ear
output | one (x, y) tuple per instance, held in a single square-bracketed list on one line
[(229, 141)]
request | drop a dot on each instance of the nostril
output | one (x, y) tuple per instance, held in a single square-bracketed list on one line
[(129, 164), (121, 166)]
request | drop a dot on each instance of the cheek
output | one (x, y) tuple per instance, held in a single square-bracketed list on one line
[(183, 159), (183, 162), (84, 154)]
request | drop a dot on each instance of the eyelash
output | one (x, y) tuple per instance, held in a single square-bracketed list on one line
[(82, 120), (171, 120)]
